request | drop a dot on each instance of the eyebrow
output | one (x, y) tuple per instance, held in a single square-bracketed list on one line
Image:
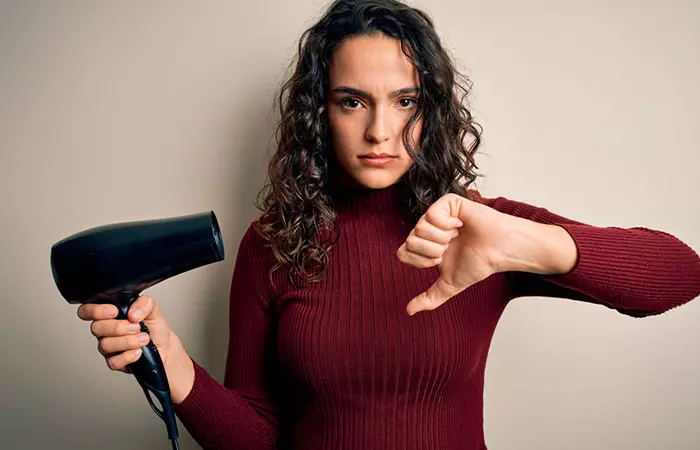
[(365, 94)]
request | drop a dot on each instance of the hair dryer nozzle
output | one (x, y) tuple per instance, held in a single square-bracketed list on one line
[(132, 256)]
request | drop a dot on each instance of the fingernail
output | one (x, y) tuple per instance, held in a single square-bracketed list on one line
[(133, 327), (110, 311), (143, 338), (438, 260), (138, 352), (455, 234), (136, 314)]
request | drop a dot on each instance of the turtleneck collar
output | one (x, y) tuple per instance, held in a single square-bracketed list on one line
[(356, 201)]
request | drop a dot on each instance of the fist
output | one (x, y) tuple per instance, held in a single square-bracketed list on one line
[(465, 239), (120, 341)]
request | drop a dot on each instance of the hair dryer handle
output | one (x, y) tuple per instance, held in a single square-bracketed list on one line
[(150, 374)]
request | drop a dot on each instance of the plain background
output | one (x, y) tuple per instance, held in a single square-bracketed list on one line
[(124, 110)]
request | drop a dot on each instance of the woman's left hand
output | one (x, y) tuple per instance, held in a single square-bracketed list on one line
[(469, 242)]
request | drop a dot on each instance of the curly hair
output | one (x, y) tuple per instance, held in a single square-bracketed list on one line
[(298, 219)]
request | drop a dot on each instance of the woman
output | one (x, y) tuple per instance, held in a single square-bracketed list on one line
[(369, 219)]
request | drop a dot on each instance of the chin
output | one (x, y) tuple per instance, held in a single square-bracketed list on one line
[(377, 181)]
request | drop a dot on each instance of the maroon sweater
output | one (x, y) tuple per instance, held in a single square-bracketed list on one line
[(340, 365)]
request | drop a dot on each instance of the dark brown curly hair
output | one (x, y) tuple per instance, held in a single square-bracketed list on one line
[(298, 219)]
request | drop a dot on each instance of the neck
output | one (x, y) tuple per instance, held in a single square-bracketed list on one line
[(356, 199)]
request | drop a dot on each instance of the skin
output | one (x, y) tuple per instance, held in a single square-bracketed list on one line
[(371, 96)]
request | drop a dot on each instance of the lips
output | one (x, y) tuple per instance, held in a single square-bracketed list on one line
[(377, 156), (377, 159)]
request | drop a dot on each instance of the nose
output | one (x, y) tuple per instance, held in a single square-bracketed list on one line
[(378, 127)]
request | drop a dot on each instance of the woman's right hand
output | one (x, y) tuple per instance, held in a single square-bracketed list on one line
[(119, 340)]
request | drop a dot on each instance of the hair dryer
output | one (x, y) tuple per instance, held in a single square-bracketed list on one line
[(115, 263)]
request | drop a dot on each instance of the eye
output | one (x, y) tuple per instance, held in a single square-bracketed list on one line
[(408, 103), (350, 103)]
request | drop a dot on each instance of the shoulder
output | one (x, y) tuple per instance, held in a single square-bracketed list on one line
[(254, 246), (257, 265), (252, 235), (254, 253)]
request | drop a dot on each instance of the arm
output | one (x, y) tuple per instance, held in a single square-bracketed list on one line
[(636, 271), (241, 413)]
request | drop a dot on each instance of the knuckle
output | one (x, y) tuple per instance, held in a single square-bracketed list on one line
[(432, 215), (153, 307), (116, 362), (451, 196), (411, 243), (94, 328), (85, 312)]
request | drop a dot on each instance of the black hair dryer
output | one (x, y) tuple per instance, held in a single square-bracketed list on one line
[(113, 264)]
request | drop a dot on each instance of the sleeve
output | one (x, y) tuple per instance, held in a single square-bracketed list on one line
[(241, 413), (637, 271)]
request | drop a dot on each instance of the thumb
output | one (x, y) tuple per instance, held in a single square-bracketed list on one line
[(144, 308), (436, 295)]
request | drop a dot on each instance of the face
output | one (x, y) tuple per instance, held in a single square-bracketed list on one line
[(373, 90)]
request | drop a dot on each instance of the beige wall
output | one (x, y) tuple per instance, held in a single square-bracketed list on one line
[(121, 110)]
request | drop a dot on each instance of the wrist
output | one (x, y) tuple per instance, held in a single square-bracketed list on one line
[(179, 370), (540, 248)]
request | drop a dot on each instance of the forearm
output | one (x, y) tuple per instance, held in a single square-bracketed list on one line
[(637, 271), (217, 417)]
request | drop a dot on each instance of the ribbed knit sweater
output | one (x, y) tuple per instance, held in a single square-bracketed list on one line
[(340, 365)]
